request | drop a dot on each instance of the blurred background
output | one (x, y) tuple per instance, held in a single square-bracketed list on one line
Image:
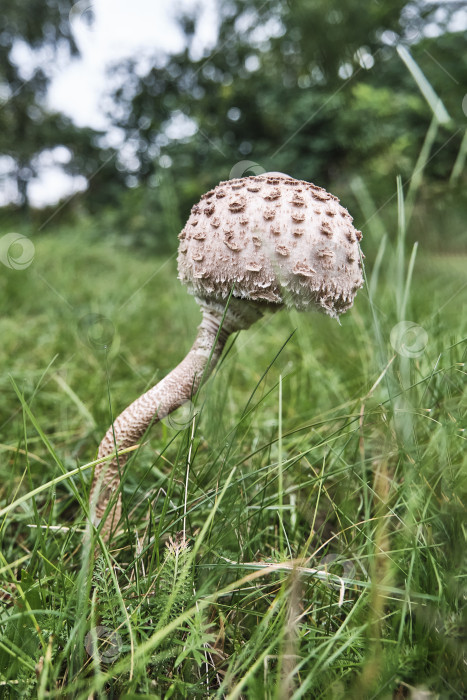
[(117, 116)]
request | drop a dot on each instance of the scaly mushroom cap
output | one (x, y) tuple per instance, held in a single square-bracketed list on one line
[(272, 239)]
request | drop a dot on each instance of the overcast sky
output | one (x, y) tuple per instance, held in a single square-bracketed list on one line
[(121, 28)]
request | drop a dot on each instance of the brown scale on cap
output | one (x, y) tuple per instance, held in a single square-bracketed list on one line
[(298, 200), (320, 196), (237, 204), (298, 216), (269, 213), (282, 250), (326, 229), (229, 250), (272, 194), (302, 268), (237, 184), (253, 266), (327, 257)]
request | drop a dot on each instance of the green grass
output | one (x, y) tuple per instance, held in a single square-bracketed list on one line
[(320, 481)]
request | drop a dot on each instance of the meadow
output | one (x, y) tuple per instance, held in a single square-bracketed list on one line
[(297, 531)]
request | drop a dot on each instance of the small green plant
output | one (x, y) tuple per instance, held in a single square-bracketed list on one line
[(174, 586)]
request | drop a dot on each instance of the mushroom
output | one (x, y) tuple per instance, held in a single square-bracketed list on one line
[(251, 245)]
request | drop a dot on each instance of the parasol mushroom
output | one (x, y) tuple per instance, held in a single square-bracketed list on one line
[(260, 243)]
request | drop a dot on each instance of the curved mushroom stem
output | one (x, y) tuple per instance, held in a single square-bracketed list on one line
[(166, 396)]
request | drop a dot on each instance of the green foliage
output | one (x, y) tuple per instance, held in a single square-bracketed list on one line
[(315, 89)]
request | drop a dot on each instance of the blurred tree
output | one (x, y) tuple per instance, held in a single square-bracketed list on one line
[(313, 88), (41, 31), (310, 87)]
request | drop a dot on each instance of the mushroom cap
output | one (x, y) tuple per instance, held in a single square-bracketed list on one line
[(273, 240)]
